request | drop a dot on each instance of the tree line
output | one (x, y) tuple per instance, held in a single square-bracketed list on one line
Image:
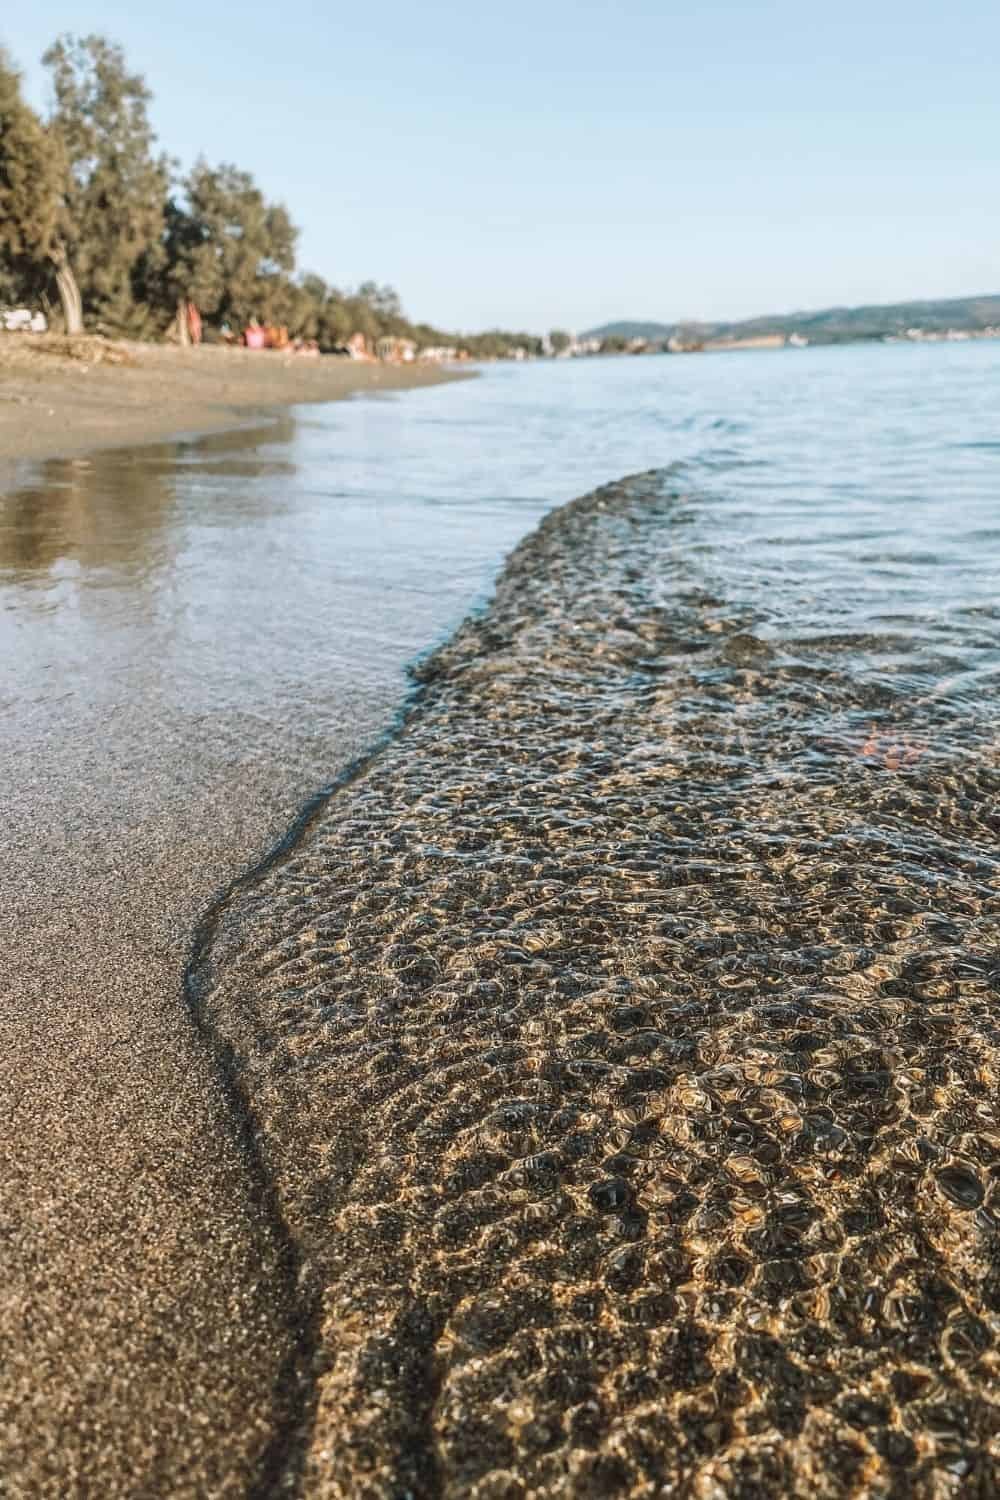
[(99, 225)]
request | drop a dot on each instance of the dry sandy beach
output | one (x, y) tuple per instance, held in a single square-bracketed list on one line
[(59, 398), (147, 1334)]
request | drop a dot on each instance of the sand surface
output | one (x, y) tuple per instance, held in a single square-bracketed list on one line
[(59, 398), (148, 1331), (149, 1328)]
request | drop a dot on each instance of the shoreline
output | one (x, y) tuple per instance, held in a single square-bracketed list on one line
[(535, 1005), (149, 1329), (60, 404)]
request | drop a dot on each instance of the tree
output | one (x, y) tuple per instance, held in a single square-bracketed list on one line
[(32, 176), (384, 303), (559, 340), (228, 249), (114, 186), (85, 198), (321, 313)]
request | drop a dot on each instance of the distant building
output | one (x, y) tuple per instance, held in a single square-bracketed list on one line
[(23, 320), (679, 343)]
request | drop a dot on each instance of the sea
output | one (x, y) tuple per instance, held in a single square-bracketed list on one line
[(622, 1037), (202, 623)]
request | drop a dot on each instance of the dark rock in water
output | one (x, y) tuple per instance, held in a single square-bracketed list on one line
[(626, 1065), (743, 650), (960, 1186), (610, 1195), (860, 1411)]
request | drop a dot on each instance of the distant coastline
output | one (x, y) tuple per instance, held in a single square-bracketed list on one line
[(941, 320)]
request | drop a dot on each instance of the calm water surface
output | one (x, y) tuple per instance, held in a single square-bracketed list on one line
[(657, 959), (177, 619)]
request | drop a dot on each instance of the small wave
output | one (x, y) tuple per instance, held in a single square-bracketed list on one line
[(618, 1041)]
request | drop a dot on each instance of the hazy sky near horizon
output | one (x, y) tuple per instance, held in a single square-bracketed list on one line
[(563, 164)]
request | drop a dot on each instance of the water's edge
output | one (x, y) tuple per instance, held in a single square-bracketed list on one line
[(280, 1470), (280, 1467), (619, 1050)]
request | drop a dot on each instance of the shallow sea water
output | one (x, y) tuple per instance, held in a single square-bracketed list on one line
[(623, 1038), (666, 923), (241, 591)]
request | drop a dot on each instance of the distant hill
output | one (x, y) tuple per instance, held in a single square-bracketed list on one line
[(828, 326), (626, 330)]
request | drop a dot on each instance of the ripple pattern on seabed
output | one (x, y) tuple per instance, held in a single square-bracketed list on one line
[(623, 1042)]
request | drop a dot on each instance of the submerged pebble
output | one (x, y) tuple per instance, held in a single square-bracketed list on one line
[(961, 1187)]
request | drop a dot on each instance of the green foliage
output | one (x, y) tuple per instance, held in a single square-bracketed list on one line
[(89, 204), (495, 344), (31, 177), (559, 340), (115, 186), (228, 249), (384, 304)]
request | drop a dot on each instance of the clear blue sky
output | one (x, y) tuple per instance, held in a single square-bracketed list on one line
[(566, 162)]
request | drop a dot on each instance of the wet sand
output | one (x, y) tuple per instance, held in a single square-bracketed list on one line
[(149, 1318), (149, 1326), (59, 398), (146, 1326), (622, 1044)]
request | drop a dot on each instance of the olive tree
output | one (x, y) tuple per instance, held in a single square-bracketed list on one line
[(32, 218), (114, 184), (228, 248)]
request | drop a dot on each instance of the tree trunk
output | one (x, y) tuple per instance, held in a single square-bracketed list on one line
[(69, 292), (183, 330)]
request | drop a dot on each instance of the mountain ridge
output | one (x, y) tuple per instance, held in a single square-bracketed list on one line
[(824, 325)]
